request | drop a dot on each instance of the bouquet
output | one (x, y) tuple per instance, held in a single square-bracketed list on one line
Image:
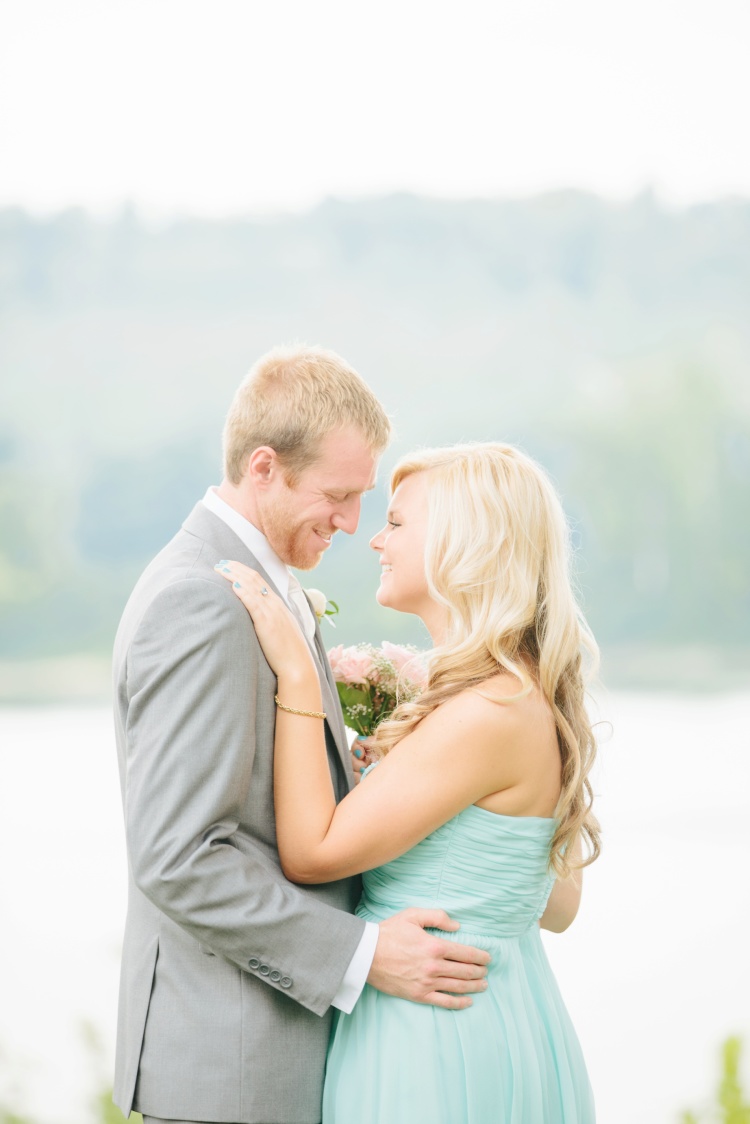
[(371, 681)]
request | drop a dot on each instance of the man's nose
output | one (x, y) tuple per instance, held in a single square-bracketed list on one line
[(346, 517)]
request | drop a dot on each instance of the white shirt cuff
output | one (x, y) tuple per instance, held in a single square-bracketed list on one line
[(357, 972)]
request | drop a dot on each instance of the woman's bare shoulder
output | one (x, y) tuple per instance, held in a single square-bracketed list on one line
[(498, 706)]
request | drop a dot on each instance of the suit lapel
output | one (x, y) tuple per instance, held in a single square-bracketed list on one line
[(205, 525), (332, 706)]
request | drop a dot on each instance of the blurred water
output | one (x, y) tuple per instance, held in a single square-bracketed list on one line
[(655, 970)]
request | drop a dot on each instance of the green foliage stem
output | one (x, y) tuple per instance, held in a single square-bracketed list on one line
[(731, 1105)]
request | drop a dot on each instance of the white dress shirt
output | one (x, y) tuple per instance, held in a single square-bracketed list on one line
[(259, 546)]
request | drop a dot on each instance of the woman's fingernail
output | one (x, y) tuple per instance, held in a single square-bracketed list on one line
[(222, 562), (357, 752), (361, 768), (361, 737), (236, 585)]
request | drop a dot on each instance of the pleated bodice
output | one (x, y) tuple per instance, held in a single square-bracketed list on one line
[(492, 869), (512, 1057)]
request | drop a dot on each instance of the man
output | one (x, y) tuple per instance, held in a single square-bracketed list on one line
[(230, 972)]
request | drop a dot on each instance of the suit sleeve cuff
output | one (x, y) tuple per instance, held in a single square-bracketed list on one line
[(357, 972)]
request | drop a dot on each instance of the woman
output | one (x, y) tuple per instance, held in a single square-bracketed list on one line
[(480, 798)]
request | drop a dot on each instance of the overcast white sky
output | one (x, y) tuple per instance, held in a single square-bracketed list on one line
[(233, 106)]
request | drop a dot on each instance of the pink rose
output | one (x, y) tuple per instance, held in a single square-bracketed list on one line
[(334, 655), (407, 662), (351, 665)]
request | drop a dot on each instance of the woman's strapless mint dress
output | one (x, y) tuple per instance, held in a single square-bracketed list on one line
[(511, 1058)]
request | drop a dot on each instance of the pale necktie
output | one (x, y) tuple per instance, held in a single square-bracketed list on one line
[(301, 609)]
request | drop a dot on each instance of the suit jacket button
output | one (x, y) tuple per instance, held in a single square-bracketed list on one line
[(275, 976), (254, 962), (264, 970), (285, 981)]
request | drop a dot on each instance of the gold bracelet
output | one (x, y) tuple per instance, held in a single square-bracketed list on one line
[(303, 713)]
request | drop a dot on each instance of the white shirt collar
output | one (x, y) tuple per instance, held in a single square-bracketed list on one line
[(255, 541)]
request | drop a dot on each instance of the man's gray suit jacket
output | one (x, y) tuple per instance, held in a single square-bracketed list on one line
[(228, 970)]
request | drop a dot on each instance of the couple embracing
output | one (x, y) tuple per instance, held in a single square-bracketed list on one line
[(263, 981)]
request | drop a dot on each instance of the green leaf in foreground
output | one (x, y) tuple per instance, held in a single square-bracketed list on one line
[(356, 703), (731, 1106)]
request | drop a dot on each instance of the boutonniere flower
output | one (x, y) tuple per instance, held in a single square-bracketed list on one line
[(320, 604)]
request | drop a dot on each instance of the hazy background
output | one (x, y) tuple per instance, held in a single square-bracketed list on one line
[(610, 339), (521, 222)]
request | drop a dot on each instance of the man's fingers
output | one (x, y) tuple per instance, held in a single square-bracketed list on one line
[(449, 1002), (460, 987), (455, 970), (448, 992), (464, 953), (439, 919), (431, 918), (424, 967)]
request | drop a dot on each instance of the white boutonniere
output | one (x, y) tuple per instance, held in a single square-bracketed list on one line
[(320, 604)]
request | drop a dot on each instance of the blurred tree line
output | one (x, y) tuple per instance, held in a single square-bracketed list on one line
[(610, 341)]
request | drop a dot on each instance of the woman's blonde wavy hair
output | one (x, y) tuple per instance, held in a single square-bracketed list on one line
[(498, 556)]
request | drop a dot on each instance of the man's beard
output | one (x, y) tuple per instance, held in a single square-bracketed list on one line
[(287, 540)]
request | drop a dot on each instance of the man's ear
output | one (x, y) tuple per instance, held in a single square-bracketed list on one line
[(262, 466)]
